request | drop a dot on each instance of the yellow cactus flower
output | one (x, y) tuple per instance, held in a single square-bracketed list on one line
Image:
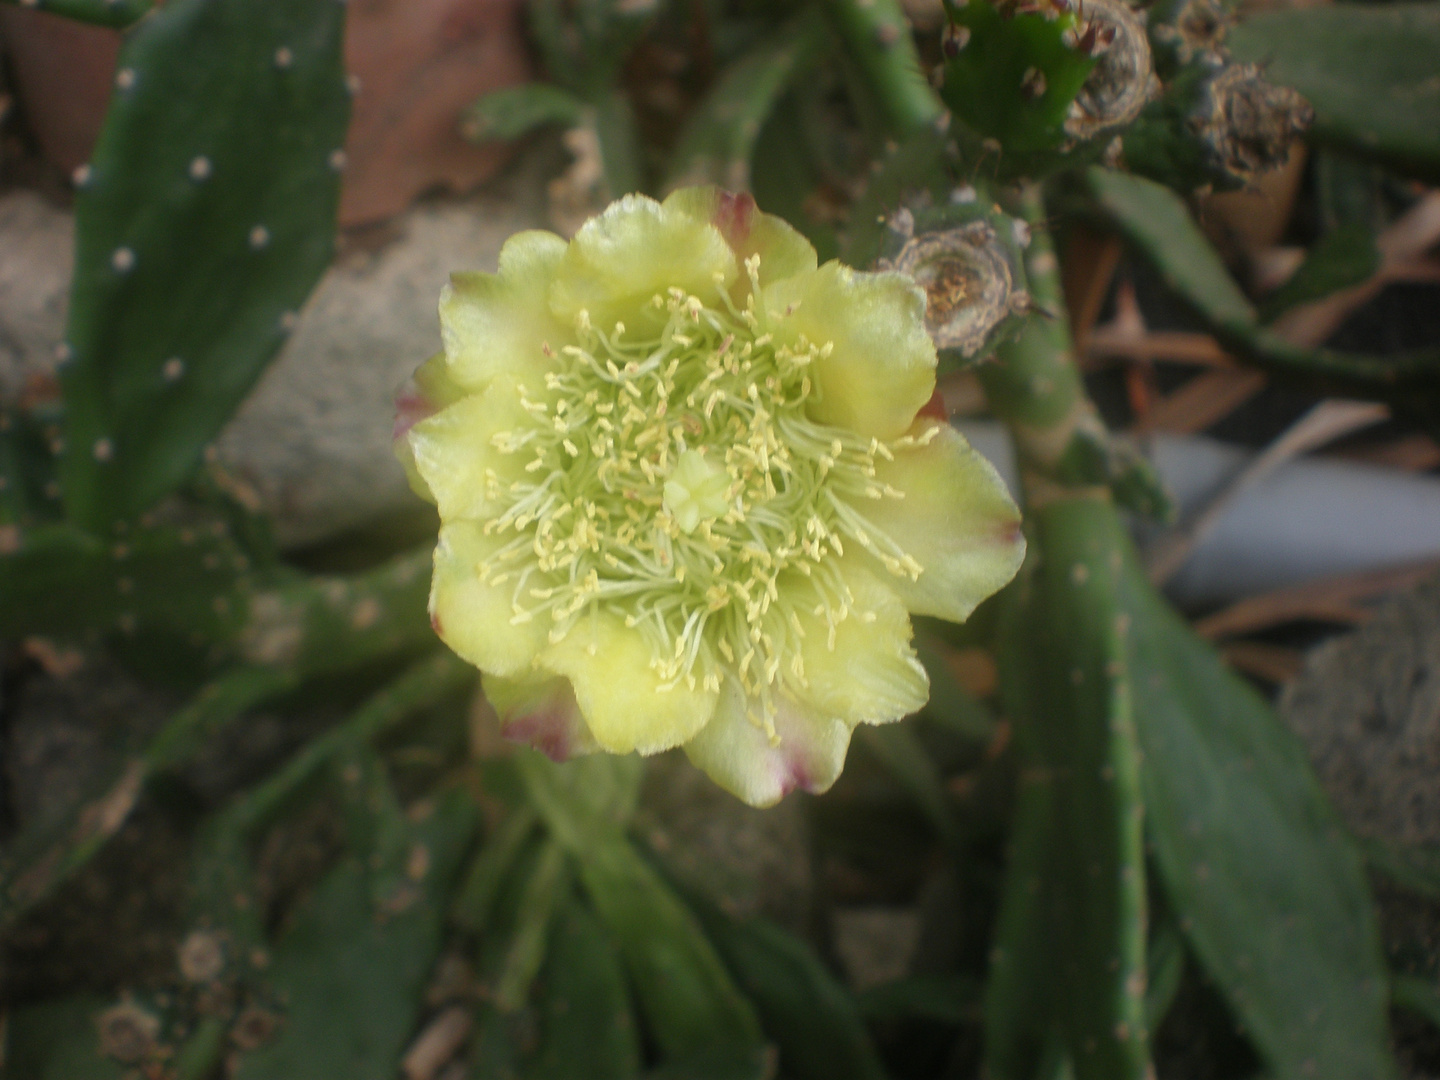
[(690, 490)]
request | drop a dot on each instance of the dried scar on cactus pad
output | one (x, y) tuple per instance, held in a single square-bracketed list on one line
[(690, 491)]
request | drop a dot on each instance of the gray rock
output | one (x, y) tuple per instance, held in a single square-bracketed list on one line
[(752, 862), (1368, 708), (876, 944), (35, 259), (66, 732), (313, 438)]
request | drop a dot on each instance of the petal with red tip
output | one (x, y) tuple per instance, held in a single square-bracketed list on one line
[(541, 713), (783, 250), (738, 754)]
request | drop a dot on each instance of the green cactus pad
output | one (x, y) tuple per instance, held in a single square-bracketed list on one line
[(1368, 70), (878, 39), (203, 220), (1011, 71), (513, 111), (187, 581), (585, 43), (351, 969), (813, 1019), (1269, 891), (56, 1040), (1067, 684), (690, 1004), (117, 13), (588, 1027), (718, 142)]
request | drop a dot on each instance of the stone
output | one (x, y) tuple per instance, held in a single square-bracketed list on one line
[(36, 239), (876, 944), (751, 862), (1367, 706)]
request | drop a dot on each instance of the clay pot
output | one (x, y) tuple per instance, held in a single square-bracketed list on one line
[(420, 64), (62, 71), (417, 65)]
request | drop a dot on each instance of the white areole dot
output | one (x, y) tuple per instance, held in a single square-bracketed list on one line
[(125, 78), (81, 176), (259, 237), (173, 369), (104, 450), (200, 168), (284, 57), (123, 259)]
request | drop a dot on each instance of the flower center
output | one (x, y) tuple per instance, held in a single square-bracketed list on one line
[(680, 484)]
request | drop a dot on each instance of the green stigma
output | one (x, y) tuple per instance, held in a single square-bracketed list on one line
[(696, 490)]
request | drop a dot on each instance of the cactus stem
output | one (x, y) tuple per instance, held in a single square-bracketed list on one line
[(876, 34)]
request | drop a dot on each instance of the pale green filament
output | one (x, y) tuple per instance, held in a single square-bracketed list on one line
[(678, 483)]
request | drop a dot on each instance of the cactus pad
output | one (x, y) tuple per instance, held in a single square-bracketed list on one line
[(202, 222)]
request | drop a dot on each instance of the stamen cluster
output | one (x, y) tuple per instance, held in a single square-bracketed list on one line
[(675, 479)]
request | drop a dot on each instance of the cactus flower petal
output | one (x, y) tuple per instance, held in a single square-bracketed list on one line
[(472, 610), (493, 323), (806, 754), (784, 252), (863, 670), (424, 394), (685, 498), (635, 250), (628, 704), (880, 368), (543, 713), (956, 520), (455, 453)]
